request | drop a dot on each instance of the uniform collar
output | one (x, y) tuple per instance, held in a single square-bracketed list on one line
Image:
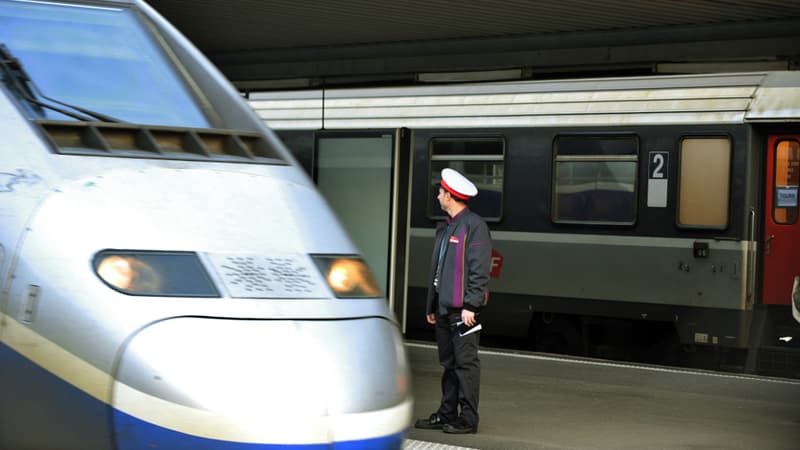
[(451, 220)]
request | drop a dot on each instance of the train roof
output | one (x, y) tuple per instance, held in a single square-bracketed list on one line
[(680, 99)]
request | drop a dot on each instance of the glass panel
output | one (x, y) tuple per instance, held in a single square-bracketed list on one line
[(601, 191), (596, 146), (488, 178), (704, 182), (787, 180), (460, 147), (98, 58), (481, 161), (600, 187), (355, 175)]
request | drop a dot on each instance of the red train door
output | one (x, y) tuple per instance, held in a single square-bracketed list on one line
[(782, 228)]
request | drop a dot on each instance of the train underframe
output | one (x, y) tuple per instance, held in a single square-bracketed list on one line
[(763, 341)]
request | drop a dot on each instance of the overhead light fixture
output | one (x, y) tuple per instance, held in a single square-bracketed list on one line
[(279, 84), (461, 77), (720, 66)]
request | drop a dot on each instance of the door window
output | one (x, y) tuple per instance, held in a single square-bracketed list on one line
[(787, 180), (354, 174), (704, 185)]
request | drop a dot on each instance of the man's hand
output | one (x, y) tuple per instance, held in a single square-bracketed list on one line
[(468, 317), (431, 318)]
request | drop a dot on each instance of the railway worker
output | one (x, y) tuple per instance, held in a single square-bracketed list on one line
[(457, 292)]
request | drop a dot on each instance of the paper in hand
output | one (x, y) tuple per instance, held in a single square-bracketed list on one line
[(464, 330)]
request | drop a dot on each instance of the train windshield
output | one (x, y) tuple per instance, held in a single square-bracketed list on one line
[(100, 59)]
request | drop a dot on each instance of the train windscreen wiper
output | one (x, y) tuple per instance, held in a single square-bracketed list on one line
[(14, 72)]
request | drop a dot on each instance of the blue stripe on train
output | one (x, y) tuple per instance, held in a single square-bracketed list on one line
[(136, 434), (40, 410)]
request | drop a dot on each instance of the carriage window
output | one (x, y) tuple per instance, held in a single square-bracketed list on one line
[(787, 181), (479, 159), (595, 179), (704, 182)]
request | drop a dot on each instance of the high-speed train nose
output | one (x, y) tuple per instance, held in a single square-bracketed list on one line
[(199, 383)]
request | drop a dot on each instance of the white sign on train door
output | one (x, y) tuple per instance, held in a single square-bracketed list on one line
[(657, 182)]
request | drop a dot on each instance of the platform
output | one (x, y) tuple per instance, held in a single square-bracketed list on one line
[(537, 401)]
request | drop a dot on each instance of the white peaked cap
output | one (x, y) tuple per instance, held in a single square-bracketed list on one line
[(458, 185)]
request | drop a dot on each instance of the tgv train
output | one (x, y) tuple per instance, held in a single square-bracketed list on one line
[(636, 213), (170, 276)]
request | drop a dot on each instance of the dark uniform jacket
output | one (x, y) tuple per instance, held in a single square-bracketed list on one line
[(466, 263)]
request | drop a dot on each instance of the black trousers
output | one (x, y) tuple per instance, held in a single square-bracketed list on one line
[(461, 379)]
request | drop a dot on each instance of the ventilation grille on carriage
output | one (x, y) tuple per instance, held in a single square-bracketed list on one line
[(114, 139)]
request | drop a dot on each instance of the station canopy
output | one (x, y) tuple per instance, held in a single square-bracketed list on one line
[(290, 44)]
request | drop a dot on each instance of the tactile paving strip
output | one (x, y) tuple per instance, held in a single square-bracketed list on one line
[(410, 444)]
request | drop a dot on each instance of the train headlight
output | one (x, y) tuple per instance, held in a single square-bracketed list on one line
[(163, 274), (347, 276)]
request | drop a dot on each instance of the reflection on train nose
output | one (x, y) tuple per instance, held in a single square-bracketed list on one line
[(224, 379)]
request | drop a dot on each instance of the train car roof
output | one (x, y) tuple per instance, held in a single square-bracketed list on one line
[(680, 99)]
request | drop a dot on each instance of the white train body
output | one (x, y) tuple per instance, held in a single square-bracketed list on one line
[(237, 335)]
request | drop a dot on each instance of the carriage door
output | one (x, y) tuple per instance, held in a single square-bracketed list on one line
[(361, 174), (782, 230)]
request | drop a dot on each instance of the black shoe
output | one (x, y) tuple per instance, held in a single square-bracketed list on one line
[(460, 426), (434, 422)]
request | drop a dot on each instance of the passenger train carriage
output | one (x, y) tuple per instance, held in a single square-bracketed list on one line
[(643, 212), (170, 277)]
